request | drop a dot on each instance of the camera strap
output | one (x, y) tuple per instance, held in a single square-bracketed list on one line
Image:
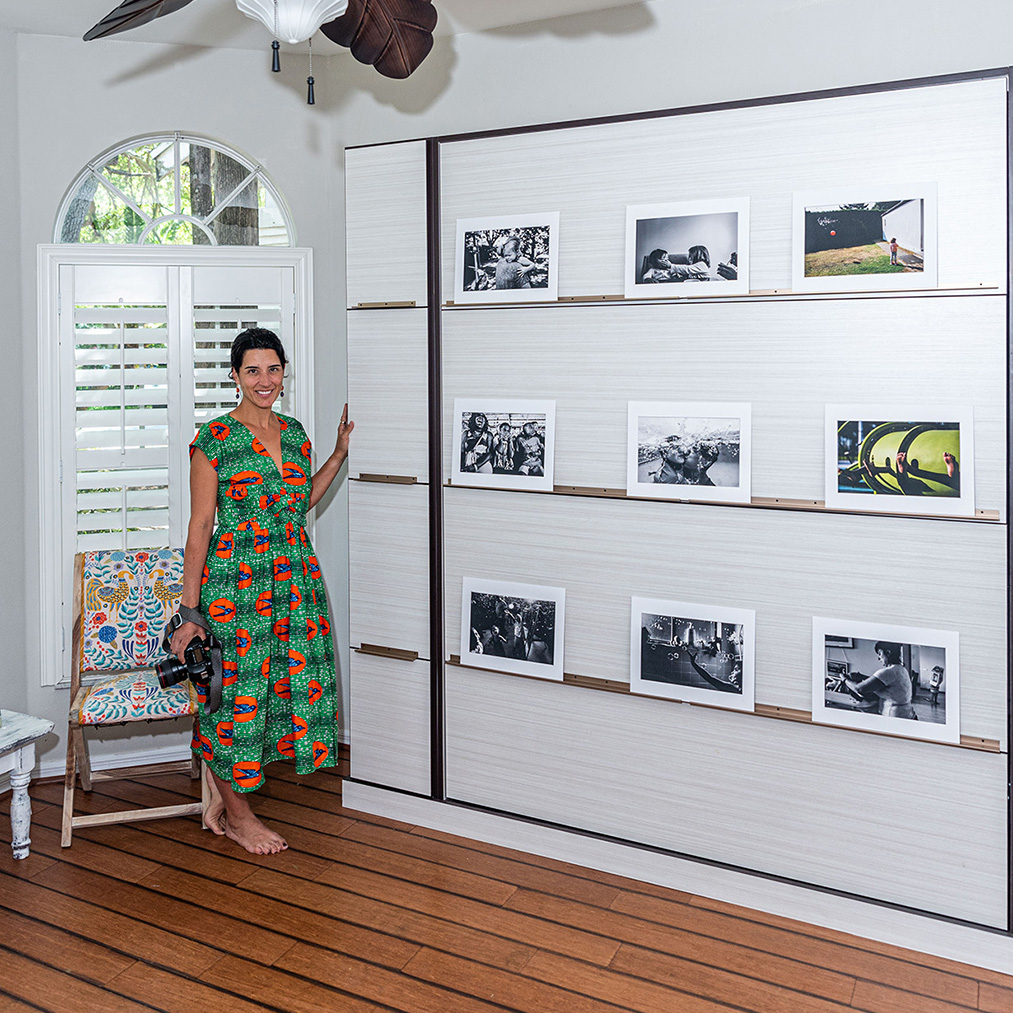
[(213, 699)]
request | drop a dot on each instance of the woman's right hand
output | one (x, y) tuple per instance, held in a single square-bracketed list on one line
[(181, 638)]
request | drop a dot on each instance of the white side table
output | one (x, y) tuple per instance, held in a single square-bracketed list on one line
[(18, 733)]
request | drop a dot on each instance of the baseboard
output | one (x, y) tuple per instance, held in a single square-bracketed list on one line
[(977, 947)]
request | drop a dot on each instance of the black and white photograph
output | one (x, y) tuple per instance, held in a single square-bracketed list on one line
[(516, 628), (689, 451), (510, 258), (693, 653), (899, 680), (501, 443), (900, 459), (855, 239), (687, 248)]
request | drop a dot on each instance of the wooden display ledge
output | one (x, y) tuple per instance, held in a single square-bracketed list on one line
[(762, 710), (786, 294), (387, 479), (757, 502), (391, 304), (379, 651)]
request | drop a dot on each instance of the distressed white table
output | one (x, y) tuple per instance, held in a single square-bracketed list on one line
[(18, 733)]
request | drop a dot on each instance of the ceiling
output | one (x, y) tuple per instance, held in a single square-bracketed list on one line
[(221, 21)]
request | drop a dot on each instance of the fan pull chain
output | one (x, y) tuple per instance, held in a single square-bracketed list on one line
[(275, 46), (310, 99)]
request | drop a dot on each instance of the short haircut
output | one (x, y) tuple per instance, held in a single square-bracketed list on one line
[(255, 337), (890, 650)]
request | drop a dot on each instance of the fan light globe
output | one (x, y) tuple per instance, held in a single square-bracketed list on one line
[(297, 19)]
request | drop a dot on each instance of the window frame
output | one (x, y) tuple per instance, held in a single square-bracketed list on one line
[(55, 557)]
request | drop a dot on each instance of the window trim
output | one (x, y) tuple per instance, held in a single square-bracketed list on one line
[(53, 632), (177, 137)]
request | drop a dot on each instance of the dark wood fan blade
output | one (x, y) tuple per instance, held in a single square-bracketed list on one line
[(133, 14), (394, 36)]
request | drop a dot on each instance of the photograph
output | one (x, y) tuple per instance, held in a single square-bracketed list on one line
[(856, 239), (899, 459), (685, 244), (693, 653), (503, 443), (510, 258), (689, 451), (898, 680), (515, 628)]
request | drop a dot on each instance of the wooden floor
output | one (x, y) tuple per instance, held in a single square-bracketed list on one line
[(366, 914)]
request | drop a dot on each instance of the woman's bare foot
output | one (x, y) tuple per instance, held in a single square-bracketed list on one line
[(213, 816), (249, 833)]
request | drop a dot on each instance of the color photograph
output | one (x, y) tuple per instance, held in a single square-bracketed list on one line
[(515, 628), (511, 258), (882, 238), (899, 680), (693, 653), (912, 459), (689, 451), (503, 443), (689, 248)]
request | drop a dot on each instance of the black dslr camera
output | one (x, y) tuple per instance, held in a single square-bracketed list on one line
[(197, 665)]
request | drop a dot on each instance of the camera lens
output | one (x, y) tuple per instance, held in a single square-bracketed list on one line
[(170, 672)]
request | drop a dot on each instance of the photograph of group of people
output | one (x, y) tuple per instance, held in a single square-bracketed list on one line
[(503, 444)]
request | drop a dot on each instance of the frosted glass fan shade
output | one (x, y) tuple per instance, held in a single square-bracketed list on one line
[(297, 19)]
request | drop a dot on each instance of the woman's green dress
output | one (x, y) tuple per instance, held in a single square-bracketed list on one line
[(263, 597)]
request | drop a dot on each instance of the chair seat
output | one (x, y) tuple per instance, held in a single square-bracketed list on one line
[(134, 696)]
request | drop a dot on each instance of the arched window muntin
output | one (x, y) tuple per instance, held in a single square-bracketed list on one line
[(173, 189)]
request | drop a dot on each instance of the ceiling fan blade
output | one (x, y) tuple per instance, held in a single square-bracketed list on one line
[(394, 36), (133, 14)]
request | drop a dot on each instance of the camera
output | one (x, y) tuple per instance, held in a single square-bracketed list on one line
[(197, 665)]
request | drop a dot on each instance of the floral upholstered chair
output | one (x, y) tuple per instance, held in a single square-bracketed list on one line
[(122, 602)]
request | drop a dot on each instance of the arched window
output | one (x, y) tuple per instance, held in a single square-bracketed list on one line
[(173, 189)]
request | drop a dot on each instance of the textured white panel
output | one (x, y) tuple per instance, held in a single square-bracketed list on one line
[(390, 722), (787, 566), (953, 135), (385, 214), (388, 564), (388, 392), (911, 823), (788, 359)]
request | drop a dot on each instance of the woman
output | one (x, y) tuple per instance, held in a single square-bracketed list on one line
[(890, 684), (257, 584)]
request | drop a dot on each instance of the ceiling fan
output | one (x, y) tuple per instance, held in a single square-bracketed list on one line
[(393, 36)]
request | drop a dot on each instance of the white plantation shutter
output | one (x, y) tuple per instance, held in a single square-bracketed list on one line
[(141, 361)]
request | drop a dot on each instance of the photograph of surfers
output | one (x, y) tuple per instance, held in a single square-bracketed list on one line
[(874, 237), (503, 443), (686, 450), (687, 248), (506, 258), (701, 653), (898, 458), (884, 678), (507, 627)]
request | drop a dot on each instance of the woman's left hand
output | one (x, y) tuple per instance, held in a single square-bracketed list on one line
[(344, 435)]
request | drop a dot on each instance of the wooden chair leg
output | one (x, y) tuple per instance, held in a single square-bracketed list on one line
[(83, 759), (69, 779), (205, 794), (196, 765)]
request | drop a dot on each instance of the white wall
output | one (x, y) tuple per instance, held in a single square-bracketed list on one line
[(74, 100)]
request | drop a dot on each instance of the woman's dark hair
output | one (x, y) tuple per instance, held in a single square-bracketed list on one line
[(255, 337), (655, 257), (889, 650)]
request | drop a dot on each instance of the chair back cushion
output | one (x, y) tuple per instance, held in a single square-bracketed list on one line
[(126, 601)]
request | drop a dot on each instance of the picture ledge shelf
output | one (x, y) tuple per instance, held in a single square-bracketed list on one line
[(756, 503), (756, 295), (974, 742)]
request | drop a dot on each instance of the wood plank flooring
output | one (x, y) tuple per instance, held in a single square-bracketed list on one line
[(365, 914)]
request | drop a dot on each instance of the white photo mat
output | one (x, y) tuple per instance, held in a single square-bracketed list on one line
[(521, 617), (503, 226), (914, 225), (498, 412), (908, 429), (730, 473), (680, 659), (831, 660), (720, 226)]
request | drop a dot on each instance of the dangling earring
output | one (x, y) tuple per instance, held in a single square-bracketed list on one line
[(282, 394), (237, 393)]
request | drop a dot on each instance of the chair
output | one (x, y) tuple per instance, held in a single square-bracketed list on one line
[(122, 601)]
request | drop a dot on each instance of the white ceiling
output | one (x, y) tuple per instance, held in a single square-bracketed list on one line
[(220, 21)]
